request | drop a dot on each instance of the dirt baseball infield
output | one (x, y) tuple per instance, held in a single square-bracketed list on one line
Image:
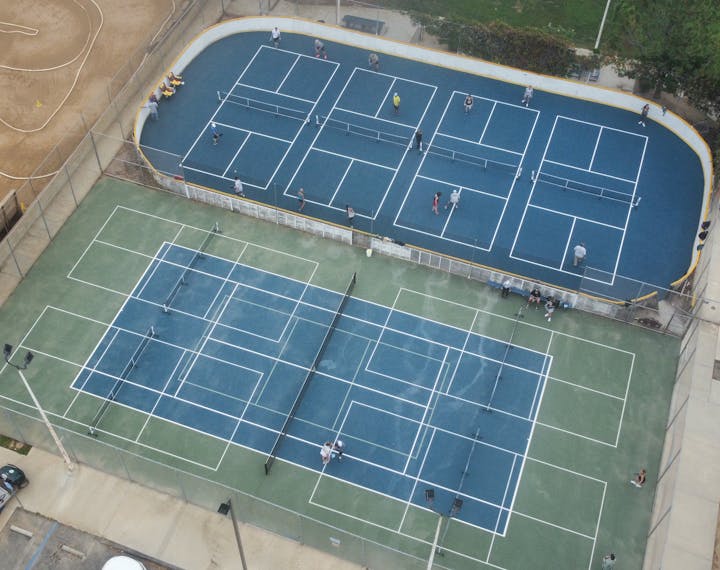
[(56, 60)]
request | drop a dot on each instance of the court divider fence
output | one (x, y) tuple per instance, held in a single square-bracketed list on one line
[(32, 216)]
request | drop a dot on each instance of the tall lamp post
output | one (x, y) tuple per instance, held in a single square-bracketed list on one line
[(7, 351), (223, 509)]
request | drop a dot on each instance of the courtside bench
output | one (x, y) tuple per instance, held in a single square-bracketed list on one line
[(363, 24), (525, 294)]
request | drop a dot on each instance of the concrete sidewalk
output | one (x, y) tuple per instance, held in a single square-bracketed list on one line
[(157, 525)]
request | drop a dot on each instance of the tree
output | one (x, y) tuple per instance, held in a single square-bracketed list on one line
[(670, 45)]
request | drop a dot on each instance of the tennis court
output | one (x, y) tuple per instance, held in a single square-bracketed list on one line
[(533, 181), (231, 349)]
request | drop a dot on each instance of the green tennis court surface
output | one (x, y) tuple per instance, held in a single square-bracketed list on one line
[(600, 418)]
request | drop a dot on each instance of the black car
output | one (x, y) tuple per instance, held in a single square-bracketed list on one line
[(14, 475)]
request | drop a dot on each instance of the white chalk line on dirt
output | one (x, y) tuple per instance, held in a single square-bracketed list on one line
[(18, 29), (87, 49)]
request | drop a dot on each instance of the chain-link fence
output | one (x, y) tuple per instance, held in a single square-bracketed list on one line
[(108, 148)]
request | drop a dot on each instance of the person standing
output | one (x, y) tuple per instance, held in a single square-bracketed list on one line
[(326, 452), (468, 103), (579, 253), (527, 97), (338, 449), (350, 214), (549, 308), (374, 62), (644, 114), (238, 187), (301, 199), (454, 199), (216, 134), (418, 140), (608, 561), (153, 107), (436, 202), (396, 103), (320, 49), (505, 289), (275, 36)]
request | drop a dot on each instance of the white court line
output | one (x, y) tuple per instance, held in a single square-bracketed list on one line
[(351, 384), (375, 118), (388, 94), (500, 512), (462, 351), (487, 123), (89, 245), (155, 260), (351, 159), (237, 152), (468, 188), (594, 152), (288, 73), (415, 483), (212, 325), (311, 146), (580, 169), (270, 91), (477, 143), (597, 525), (433, 391), (151, 413)]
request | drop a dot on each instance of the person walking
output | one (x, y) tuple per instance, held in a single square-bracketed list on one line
[(301, 199), (644, 114), (468, 103), (216, 134), (326, 452), (238, 187), (454, 199), (527, 97), (608, 561), (436, 202), (579, 253), (418, 140), (396, 103), (374, 62), (275, 36), (350, 214), (338, 449), (549, 308)]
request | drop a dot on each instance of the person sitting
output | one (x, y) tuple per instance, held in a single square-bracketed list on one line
[(639, 479), (505, 289), (175, 80), (535, 297), (166, 90)]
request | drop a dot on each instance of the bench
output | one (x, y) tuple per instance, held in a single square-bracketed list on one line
[(363, 24), (526, 294)]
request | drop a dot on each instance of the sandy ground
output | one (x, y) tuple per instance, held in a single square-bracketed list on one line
[(56, 58)]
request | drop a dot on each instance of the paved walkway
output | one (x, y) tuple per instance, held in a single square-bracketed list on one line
[(161, 527)]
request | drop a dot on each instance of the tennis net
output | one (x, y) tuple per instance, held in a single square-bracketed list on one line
[(120, 381), (277, 110), (595, 191), (199, 253), (373, 134), (483, 163), (303, 388)]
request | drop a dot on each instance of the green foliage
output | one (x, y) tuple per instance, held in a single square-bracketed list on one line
[(524, 48), (671, 45), (575, 20)]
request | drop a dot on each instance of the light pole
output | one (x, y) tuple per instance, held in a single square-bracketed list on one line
[(223, 510), (7, 351)]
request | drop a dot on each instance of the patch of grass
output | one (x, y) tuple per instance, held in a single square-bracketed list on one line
[(575, 20), (14, 445)]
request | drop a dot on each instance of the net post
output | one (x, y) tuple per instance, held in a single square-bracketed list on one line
[(484, 164), (219, 97), (317, 121), (453, 156), (347, 129), (165, 308), (377, 138)]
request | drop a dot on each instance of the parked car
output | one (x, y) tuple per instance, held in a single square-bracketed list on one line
[(13, 479)]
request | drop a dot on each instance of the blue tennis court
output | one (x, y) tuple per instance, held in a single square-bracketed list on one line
[(533, 181), (224, 348)]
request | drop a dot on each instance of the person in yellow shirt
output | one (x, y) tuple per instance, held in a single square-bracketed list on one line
[(396, 103)]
